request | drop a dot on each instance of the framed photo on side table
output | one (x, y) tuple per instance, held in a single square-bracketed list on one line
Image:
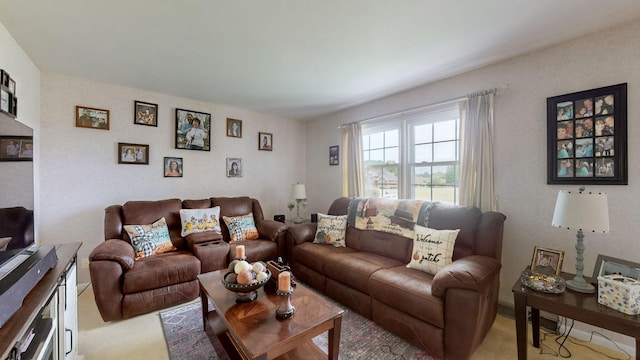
[(547, 261), (607, 265), (587, 137)]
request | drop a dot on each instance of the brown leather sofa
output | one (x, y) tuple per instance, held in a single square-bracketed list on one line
[(16, 223), (448, 314), (124, 287)]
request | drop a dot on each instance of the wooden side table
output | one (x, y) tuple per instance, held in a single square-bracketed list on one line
[(570, 304)]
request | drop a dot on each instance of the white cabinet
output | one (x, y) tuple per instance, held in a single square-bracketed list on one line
[(68, 315)]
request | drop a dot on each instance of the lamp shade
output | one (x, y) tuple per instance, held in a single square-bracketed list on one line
[(298, 191), (581, 210)]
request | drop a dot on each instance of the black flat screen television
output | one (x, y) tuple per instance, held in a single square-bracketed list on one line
[(16, 191)]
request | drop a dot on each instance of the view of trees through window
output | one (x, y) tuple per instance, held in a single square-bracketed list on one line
[(414, 158)]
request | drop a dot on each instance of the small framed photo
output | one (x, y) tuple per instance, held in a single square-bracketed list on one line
[(234, 167), (12, 86), (334, 155), (5, 101), (547, 261), (234, 128), (16, 148), (92, 118), (265, 141), (145, 113), (133, 154), (4, 78), (607, 265), (193, 130), (172, 167)]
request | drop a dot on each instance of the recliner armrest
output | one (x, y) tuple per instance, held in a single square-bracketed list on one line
[(475, 272), (114, 250), (301, 233), (202, 237), (270, 229)]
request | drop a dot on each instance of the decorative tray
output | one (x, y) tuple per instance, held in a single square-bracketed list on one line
[(551, 284)]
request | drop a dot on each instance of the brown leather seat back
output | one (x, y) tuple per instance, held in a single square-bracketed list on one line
[(148, 212)]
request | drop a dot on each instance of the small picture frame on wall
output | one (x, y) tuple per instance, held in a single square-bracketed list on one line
[(334, 155), (265, 141), (92, 118), (547, 261), (12, 86), (172, 167), (145, 113), (16, 148), (193, 130), (234, 167), (234, 128), (587, 137), (133, 154)]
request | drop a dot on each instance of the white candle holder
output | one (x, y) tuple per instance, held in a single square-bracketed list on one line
[(285, 310)]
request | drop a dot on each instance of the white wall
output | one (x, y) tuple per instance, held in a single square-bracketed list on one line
[(80, 174), (597, 60)]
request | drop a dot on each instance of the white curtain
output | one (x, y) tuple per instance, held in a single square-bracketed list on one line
[(476, 179), (352, 162)]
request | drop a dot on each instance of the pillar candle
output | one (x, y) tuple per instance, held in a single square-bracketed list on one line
[(284, 281), (240, 252)]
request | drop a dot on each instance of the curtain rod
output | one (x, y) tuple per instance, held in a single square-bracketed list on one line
[(444, 102)]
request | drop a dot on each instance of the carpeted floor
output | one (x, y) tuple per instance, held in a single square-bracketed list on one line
[(360, 338)]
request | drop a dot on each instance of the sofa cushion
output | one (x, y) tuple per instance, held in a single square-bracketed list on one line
[(161, 270), (409, 291), (432, 249), (314, 256), (331, 230), (148, 240), (354, 268), (241, 227), (200, 220), (146, 212)]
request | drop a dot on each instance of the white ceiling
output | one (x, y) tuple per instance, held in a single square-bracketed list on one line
[(294, 58)]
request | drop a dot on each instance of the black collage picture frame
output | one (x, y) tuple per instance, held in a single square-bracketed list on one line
[(587, 137)]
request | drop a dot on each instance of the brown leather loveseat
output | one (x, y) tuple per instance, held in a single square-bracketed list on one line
[(125, 287), (447, 314)]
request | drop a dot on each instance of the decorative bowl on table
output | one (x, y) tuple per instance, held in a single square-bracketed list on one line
[(246, 292), (551, 284)]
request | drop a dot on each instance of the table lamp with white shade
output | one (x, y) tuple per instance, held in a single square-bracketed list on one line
[(299, 194), (583, 211)]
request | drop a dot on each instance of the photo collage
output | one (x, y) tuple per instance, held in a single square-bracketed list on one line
[(586, 131)]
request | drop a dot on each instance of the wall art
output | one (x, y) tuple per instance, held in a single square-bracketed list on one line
[(587, 137), (193, 130)]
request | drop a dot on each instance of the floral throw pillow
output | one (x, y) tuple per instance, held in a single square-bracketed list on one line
[(200, 220), (241, 227), (331, 230), (150, 239), (432, 249)]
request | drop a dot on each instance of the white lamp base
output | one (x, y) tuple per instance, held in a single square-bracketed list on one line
[(580, 286)]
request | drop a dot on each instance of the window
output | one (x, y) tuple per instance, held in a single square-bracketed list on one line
[(414, 155)]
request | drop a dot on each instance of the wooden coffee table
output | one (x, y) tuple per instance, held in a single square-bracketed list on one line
[(251, 331)]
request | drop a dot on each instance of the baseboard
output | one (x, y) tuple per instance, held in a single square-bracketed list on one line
[(616, 342)]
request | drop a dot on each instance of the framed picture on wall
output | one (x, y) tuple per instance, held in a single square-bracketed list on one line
[(16, 148), (172, 167), (133, 154), (265, 141), (234, 167), (334, 155), (234, 128), (193, 130), (145, 113), (93, 118), (587, 137)]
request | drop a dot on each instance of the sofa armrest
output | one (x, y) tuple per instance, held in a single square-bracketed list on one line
[(475, 272), (270, 229), (114, 250), (300, 233)]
